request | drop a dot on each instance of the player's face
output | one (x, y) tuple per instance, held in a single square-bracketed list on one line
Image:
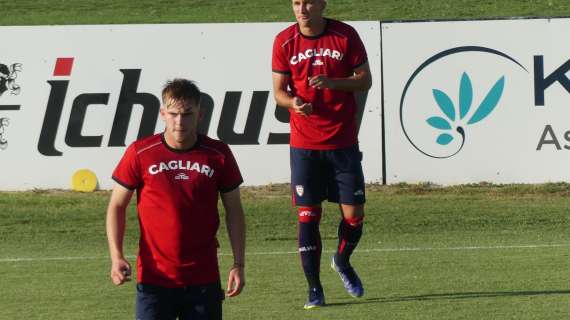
[(180, 120), (308, 11)]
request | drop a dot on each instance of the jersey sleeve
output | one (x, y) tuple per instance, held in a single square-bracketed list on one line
[(231, 176), (127, 172), (279, 62), (358, 54)]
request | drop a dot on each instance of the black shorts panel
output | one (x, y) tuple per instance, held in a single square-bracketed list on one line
[(334, 175), (201, 302)]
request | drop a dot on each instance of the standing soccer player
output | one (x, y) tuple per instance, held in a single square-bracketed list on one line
[(178, 175), (318, 63)]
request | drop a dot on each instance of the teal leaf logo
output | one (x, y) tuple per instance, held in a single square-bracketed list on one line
[(444, 103), (447, 107), (490, 102), (439, 123), (444, 139), (465, 95)]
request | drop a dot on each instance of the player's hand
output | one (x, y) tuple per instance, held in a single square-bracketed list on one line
[(120, 271), (302, 107), (236, 281), (321, 82)]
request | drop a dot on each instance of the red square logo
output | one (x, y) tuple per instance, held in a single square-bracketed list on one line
[(63, 67)]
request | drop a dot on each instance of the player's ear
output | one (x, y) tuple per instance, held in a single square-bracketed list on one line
[(162, 112)]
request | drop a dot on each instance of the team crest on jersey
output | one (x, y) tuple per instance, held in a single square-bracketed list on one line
[(300, 190)]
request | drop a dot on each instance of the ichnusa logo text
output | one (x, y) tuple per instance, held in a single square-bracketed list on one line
[(434, 119)]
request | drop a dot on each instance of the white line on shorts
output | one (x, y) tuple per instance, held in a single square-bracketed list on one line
[(261, 253)]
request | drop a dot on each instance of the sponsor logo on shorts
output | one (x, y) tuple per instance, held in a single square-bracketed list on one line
[(300, 190), (359, 193)]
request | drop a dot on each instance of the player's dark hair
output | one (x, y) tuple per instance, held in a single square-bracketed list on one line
[(181, 90)]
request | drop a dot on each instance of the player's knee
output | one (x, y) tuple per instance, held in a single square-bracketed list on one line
[(352, 210), (354, 221), (309, 214)]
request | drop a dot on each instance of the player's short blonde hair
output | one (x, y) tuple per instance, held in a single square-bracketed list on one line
[(183, 90)]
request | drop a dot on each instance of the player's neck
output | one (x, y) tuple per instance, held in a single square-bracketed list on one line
[(187, 143), (314, 27)]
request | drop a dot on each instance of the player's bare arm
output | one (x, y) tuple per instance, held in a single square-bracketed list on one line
[(235, 222), (116, 212), (285, 100), (361, 80)]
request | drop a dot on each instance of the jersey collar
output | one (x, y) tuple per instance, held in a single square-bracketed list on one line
[(318, 35), (196, 145)]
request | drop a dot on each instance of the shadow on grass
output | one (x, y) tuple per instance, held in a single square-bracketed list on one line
[(453, 296)]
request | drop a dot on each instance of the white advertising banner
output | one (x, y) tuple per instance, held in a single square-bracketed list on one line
[(72, 97), (475, 101)]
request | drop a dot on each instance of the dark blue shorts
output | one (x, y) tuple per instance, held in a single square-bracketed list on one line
[(189, 303), (333, 175)]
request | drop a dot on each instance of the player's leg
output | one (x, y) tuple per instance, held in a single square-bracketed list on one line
[(308, 192), (202, 302), (347, 189), (310, 249), (349, 233), (154, 303)]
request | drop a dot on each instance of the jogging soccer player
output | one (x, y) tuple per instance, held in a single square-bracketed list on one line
[(177, 176), (318, 63)]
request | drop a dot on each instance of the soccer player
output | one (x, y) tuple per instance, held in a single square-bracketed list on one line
[(318, 63), (177, 176)]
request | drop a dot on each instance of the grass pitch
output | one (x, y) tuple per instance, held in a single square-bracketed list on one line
[(48, 12), (469, 252)]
